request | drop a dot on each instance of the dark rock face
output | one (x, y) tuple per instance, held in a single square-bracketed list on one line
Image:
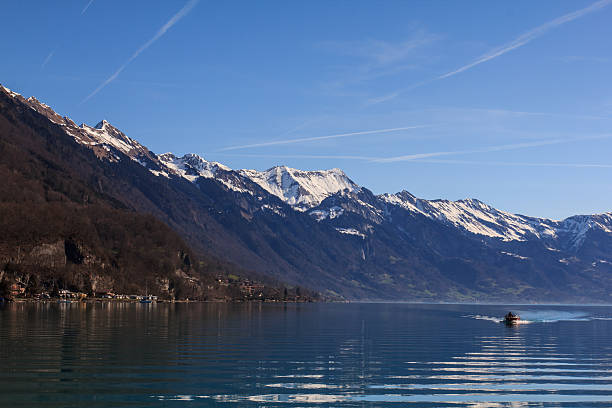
[(135, 209), (73, 252)]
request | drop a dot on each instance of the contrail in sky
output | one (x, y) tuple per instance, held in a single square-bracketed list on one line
[(311, 139), (181, 13), (499, 51), (50, 55), (47, 59), (423, 157), (519, 164), (529, 36), (86, 7), (433, 161), (498, 148), (303, 156)]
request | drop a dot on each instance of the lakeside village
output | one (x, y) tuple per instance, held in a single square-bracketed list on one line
[(224, 289)]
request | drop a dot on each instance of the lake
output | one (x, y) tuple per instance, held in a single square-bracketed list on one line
[(303, 355)]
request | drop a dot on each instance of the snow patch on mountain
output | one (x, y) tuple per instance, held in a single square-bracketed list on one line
[(480, 218), (514, 255), (476, 217), (578, 226), (191, 166), (8, 91), (160, 173), (273, 208), (331, 213), (301, 189), (45, 110), (105, 133), (351, 231)]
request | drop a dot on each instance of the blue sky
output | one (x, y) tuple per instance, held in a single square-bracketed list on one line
[(507, 102)]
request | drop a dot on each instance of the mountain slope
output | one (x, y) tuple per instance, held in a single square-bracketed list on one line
[(58, 232), (215, 220), (68, 219), (321, 230)]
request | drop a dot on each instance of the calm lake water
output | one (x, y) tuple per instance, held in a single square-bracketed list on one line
[(303, 355)]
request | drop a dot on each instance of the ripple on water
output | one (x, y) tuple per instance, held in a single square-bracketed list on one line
[(303, 355)]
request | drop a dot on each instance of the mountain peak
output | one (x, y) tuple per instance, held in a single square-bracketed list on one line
[(168, 156), (404, 193), (191, 166), (102, 124), (105, 127), (194, 158), (302, 189), (105, 133), (284, 168)]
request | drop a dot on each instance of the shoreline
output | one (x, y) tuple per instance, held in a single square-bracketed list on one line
[(136, 301)]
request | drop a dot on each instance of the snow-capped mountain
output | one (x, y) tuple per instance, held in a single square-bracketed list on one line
[(475, 217), (301, 189), (306, 190), (191, 166), (104, 139), (321, 228)]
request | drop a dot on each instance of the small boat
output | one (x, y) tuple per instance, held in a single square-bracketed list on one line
[(148, 299), (511, 318)]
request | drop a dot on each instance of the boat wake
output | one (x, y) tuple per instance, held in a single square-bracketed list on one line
[(497, 319), (544, 316), (489, 318), (554, 316)]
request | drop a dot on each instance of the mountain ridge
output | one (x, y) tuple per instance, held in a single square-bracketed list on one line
[(118, 139), (322, 230), (304, 190)]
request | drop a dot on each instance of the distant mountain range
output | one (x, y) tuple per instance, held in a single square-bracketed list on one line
[(320, 230)]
